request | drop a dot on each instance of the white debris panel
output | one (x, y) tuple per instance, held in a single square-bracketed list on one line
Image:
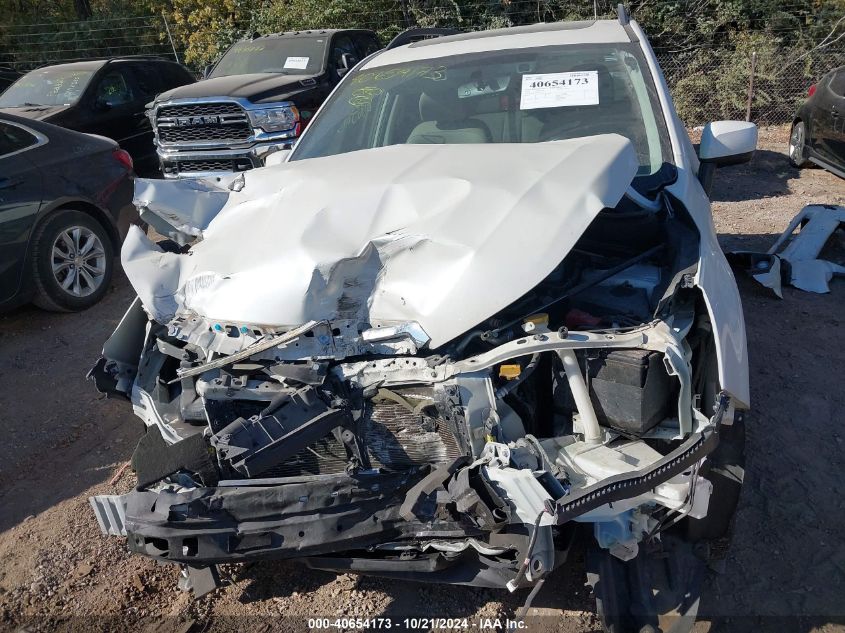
[(794, 257)]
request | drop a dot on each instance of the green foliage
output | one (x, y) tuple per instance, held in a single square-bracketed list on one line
[(203, 29), (383, 16), (40, 33)]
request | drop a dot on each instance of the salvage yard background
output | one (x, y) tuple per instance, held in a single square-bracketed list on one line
[(62, 443), (723, 59)]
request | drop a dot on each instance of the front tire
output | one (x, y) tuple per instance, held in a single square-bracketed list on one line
[(725, 468), (797, 145), (73, 262)]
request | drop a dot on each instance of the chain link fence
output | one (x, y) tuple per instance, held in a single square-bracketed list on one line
[(33, 45), (766, 86), (764, 82)]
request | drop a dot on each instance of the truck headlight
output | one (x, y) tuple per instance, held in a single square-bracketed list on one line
[(275, 119)]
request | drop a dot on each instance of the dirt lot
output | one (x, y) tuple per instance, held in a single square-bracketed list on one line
[(62, 443)]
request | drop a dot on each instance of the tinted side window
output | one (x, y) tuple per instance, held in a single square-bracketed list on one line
[(343, 44), (367, 45), (113, 88), (147, 79), (14, 139), (173, 75), (837, 82)]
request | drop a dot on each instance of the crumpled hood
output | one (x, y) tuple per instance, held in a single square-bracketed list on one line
[(443, 235)]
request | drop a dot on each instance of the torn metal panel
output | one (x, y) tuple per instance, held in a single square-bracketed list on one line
[(115, 372), (368, 240), (794, 257), (181, 209)]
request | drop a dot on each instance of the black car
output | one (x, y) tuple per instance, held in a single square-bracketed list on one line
[(65, 206), (106, 97), (254, 101), (818, 130)]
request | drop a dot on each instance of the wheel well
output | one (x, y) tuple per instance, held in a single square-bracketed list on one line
[(95, 212)]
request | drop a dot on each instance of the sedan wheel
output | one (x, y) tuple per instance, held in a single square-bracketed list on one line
[(79, 261), (796, 145), (74, 261)]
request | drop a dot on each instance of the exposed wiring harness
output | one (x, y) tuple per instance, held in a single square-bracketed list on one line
[(523, 569), (676, 515)]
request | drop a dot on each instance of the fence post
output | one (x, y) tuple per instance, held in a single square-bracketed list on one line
[(170, 37), (751, 86), (406, 14)]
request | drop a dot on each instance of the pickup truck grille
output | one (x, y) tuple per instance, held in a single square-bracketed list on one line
[(194, 165), (202, 123)]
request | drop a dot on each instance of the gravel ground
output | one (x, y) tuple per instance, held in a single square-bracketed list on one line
[(63, 443)]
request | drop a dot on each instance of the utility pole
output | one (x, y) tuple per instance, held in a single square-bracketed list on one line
[(750, 86), (406, 14), (170, 37)]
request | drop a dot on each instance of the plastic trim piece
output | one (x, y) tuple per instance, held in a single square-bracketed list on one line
[(628, 486)]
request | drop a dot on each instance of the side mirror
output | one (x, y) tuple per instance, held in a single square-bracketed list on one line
[(102, 104), (207, 71), (724, 143), (347, 62)]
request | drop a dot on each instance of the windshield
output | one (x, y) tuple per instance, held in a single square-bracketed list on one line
[(47, 86), (291, 55), (514, 96)]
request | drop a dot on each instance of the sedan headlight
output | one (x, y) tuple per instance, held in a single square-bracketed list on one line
[(275, 119)]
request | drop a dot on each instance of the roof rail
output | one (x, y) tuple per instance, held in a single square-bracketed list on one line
[(409, 36), (105, 60), (624, 16), (139, 56)]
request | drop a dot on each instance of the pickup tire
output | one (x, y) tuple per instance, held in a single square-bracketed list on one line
[(73, 261)]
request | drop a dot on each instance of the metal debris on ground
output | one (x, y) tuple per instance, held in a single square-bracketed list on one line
[(794, 258)]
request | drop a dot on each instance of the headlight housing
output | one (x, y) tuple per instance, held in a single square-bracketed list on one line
[(275, 119)]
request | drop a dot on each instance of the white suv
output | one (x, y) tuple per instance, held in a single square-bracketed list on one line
[(479, 304)]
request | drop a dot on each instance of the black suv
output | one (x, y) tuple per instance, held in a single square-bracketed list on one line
[(255, 100), (105, 97)]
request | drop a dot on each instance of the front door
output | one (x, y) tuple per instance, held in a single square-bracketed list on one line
[(116, 110), (836, 142), (20, 200)]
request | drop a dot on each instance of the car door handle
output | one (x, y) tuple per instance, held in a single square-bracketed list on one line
[(9, 183)]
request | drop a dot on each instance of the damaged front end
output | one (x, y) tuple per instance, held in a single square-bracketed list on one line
[(398, 446)]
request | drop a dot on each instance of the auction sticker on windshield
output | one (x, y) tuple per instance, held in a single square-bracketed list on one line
[(553, 90), (297, 62)]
